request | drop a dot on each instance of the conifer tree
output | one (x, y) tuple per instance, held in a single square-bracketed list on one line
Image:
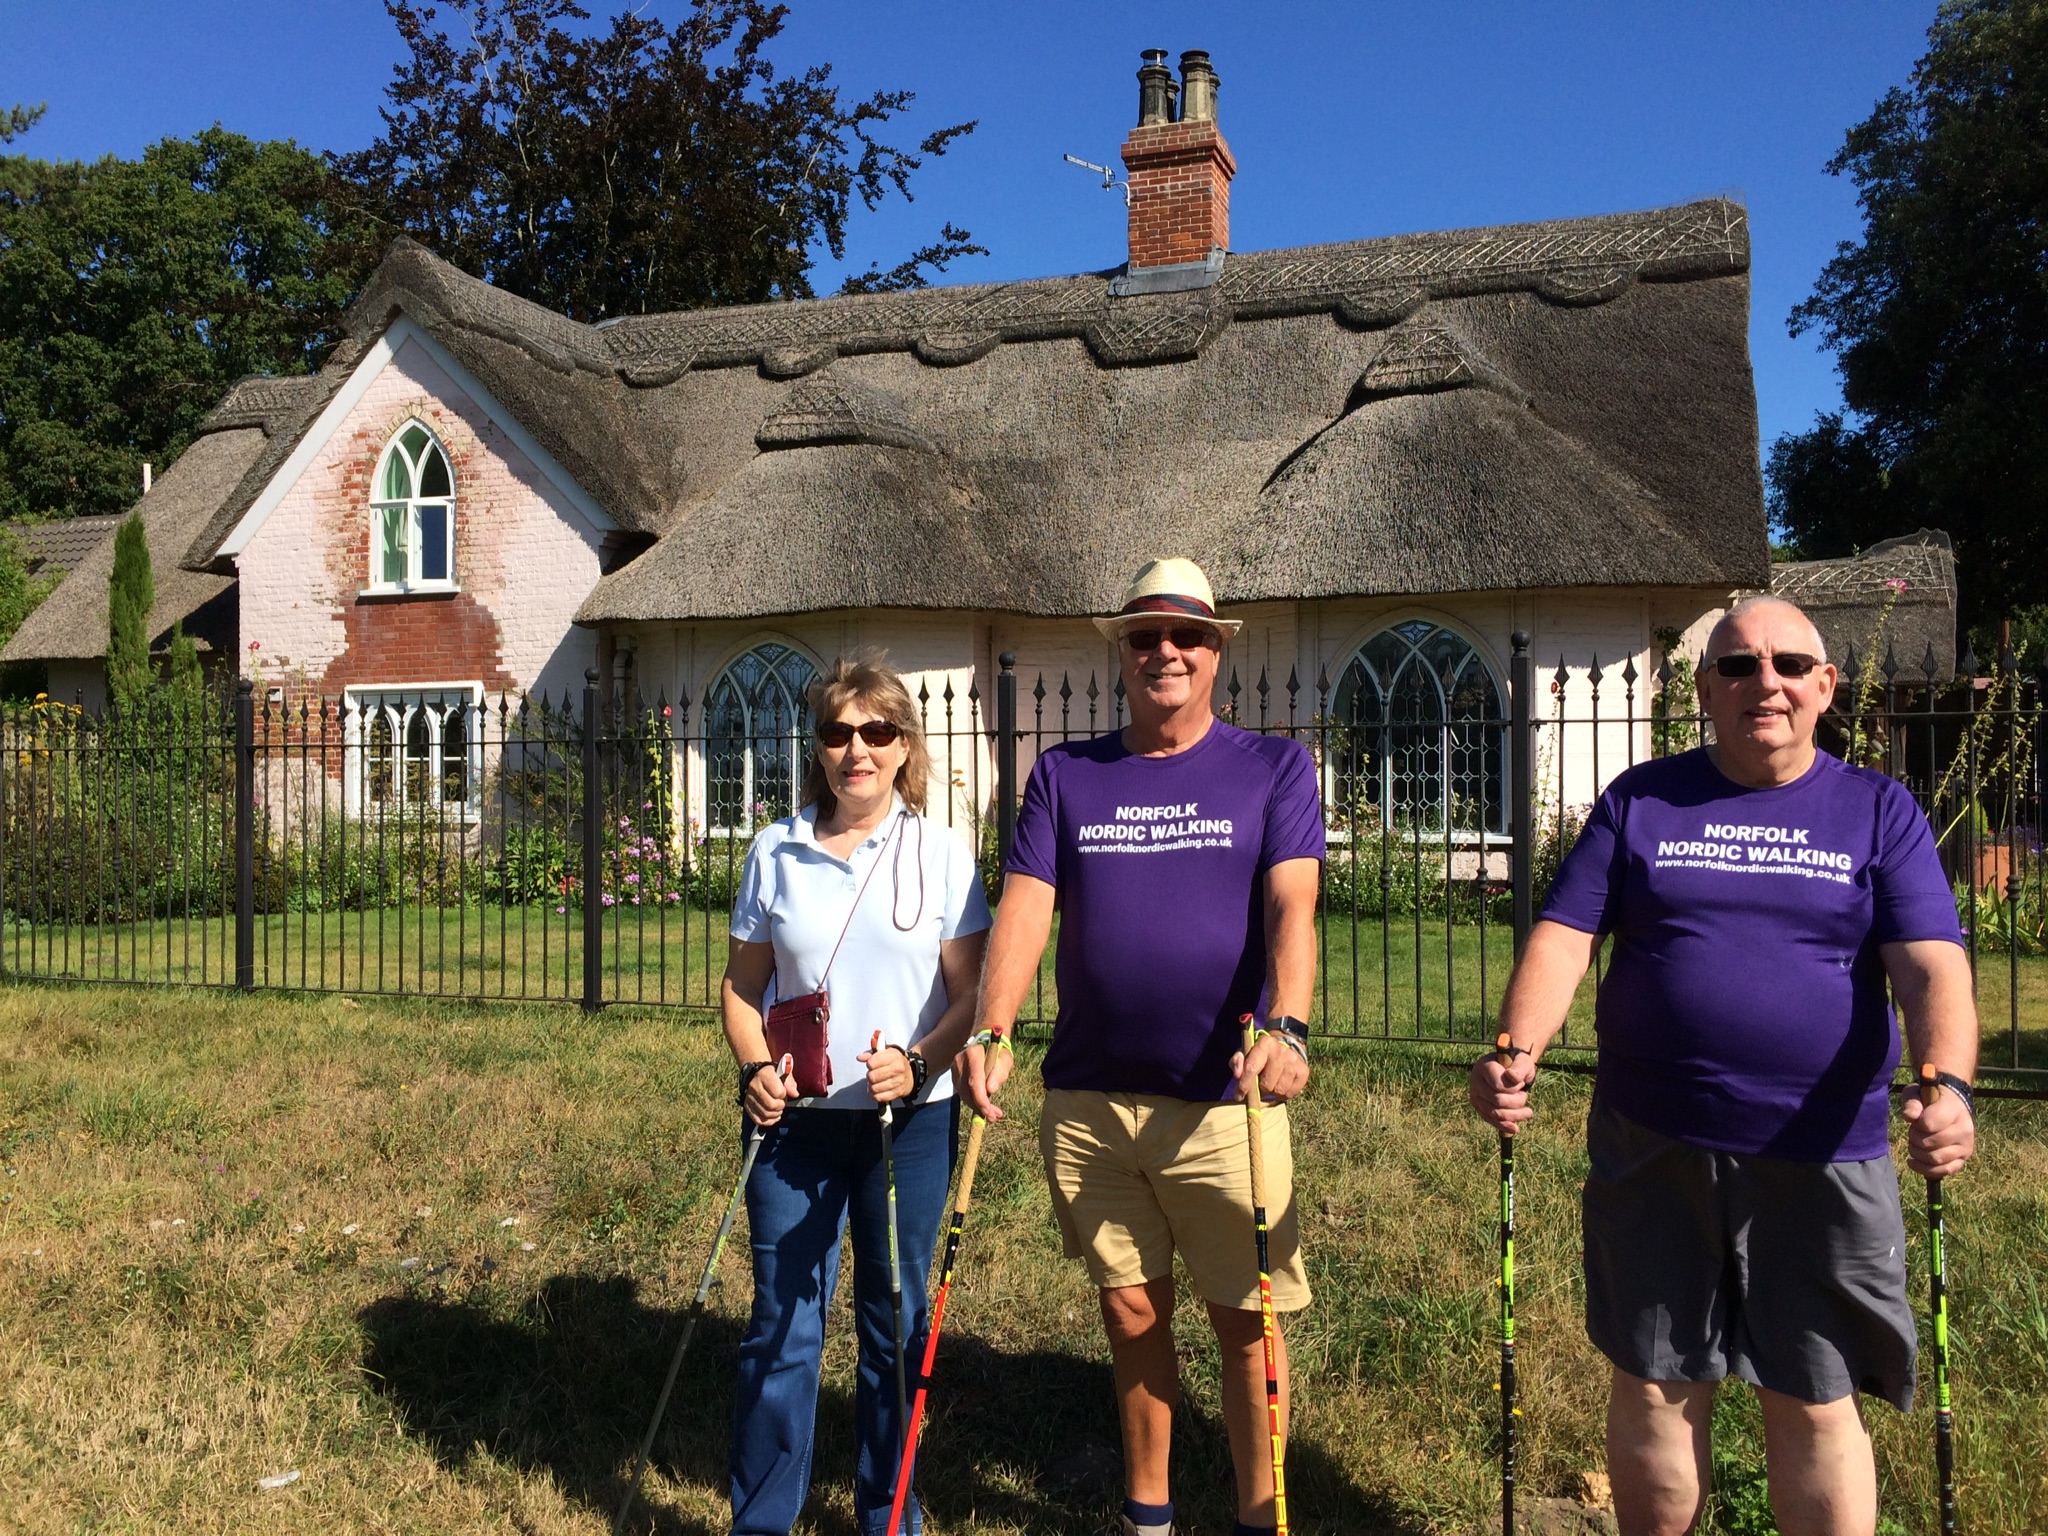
[(130, 596)]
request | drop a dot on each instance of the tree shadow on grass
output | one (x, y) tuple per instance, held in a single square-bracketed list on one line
[(1025, 1439)]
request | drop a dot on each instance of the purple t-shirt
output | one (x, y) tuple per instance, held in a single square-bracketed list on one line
[(1159, 863), (1744, 1005)]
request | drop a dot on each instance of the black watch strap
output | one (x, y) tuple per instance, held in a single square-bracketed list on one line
[(748, 1071), (1960, 1089), (1288, 1025)]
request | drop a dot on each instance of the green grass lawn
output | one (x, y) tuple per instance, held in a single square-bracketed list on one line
[(1404, 979), (434, 1257)]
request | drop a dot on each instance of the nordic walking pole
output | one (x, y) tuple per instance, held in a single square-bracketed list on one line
[(704, 1283), (1255, 1132), (1507, 1050), (1937, 1285), (895, 1260), (931, 1340)]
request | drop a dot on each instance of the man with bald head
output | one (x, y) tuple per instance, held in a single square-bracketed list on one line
[(1741, 1210)]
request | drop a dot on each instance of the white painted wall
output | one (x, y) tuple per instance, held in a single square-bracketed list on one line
[(1613, 627)]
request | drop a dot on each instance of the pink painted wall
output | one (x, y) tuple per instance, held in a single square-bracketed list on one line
[(524, 560)]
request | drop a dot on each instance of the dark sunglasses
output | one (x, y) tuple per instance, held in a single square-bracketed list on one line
[(876, 733), (1185, 637), (1791, 664)]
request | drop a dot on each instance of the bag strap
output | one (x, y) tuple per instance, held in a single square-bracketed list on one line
[(873, 870)]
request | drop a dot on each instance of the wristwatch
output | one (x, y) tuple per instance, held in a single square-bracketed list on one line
[(748, 1070), (1290, 1032)]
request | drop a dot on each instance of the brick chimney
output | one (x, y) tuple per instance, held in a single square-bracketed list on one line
[(1179, 167)]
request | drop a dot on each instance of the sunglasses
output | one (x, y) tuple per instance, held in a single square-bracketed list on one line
[(876, 733), (1791, 664), (1185, 637)]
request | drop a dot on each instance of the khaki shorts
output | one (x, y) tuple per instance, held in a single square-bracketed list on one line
[(1137, 1177)]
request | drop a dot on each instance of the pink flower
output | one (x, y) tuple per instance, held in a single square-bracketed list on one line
[(1897, 585), (611, 901)]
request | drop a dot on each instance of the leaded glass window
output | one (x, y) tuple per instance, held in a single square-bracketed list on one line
[(757, 730), (1418, 735)]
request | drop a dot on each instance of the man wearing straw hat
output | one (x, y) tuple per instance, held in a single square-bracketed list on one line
[(1741, 1210), (1184, 854)]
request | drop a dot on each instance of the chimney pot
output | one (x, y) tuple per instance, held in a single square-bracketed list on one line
[(1199, 84), (1156, 89)]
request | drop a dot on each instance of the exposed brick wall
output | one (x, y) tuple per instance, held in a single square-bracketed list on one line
[(524, 560), (1180, 192)]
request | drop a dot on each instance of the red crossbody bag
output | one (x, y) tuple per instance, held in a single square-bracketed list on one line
[(798, 1027)]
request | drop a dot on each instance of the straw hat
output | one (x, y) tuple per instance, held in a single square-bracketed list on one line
[(1171, 588)]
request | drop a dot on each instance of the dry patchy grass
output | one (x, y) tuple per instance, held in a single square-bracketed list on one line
[(249, 1235)]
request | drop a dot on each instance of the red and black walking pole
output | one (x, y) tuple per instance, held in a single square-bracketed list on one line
[(1274, 1431), (931, 1342)]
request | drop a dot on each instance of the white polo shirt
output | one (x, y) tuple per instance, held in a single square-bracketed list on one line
[(796, 896)]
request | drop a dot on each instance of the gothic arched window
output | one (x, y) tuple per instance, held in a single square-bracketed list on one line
[(413, 517), (413, 749), (1418, 734), (757, 731)]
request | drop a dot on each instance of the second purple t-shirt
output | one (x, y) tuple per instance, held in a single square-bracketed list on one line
[(1159, 863), (1744, 1005)]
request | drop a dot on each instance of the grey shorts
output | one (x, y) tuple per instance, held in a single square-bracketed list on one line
[(1704, 1264)]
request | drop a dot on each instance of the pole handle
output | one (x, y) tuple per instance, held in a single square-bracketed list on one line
[(969, 1161), (1253, 1103)]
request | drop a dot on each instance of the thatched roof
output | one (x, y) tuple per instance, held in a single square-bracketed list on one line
[(72, 623), (1557, 404), (1546, 405), (1846, 599)]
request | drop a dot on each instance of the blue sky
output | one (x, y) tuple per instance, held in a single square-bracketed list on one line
[(1347, 119)]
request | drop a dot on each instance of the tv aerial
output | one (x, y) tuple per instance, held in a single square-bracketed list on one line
[(1108, 176)]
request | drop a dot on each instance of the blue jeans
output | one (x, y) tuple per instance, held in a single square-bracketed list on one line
[(817, 1168)]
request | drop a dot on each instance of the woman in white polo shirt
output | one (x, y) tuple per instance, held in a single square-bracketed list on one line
[(859, 895)]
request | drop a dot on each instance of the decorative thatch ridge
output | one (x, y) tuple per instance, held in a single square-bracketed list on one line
[(1914, 574), (1368, 283), (820, 411)]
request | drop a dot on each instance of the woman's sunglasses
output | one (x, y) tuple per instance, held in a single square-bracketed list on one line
[(1791, 664), (1186, 637), (876, 733)]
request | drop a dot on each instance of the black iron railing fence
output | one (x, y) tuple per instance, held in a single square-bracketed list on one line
[(445, 843)]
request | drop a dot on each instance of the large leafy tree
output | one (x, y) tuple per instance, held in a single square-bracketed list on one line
[(133, 292), (633, 167), (1939, 317)]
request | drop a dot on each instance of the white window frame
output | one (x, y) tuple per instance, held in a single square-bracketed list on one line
[(410, 506), (398, 704)]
